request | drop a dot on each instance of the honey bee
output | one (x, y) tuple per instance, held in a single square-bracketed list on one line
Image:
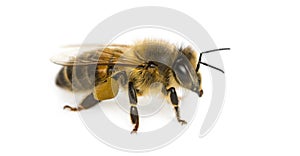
[(135, 67)]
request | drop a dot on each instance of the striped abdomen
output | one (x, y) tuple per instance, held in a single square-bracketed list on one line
[(77, 78), (84, 76)]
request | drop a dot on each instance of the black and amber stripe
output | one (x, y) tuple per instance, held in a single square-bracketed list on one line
[(79, 78), (84, 76), (64, 78)]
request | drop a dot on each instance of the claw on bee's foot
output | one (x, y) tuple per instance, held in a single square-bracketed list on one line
[(133, 132), (182, 122), (73, 109)]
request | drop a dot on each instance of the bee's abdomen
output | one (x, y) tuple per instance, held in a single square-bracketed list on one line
[(77, 78), (63, 80)]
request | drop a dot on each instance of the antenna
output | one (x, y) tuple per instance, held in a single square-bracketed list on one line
[(209, 51)]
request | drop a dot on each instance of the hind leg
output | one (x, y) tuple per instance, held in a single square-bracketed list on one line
[(88, 102)]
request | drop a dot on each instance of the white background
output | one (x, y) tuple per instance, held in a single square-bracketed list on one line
[(261, 112)]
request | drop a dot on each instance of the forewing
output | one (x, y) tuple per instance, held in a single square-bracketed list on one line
[(108, 55)]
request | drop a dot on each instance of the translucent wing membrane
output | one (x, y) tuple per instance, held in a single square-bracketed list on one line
[(96, 54), (97, 46)]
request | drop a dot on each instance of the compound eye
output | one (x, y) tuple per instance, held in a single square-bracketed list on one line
[(185, 73)]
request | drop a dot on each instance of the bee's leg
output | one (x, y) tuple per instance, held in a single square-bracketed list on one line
[(88, 102), (121, 76), (174, 100), (133, 109)]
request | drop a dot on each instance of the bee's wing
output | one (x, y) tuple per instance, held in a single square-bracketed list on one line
[(97, 46), (101, 55)]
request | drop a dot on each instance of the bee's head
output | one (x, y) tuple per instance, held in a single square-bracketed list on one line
[(185, 72), (186, 75)]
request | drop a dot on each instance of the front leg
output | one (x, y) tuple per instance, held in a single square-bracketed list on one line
[(174, 100), (133, 109)]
